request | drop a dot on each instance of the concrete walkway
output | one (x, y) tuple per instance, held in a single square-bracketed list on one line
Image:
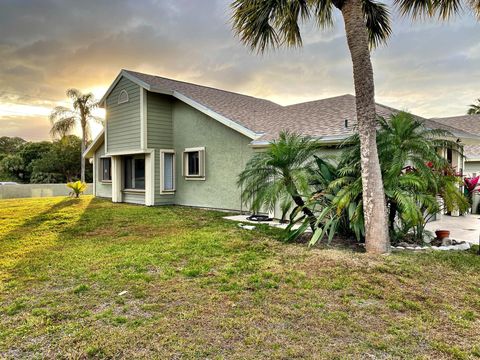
[(273, 223), (462, 228)]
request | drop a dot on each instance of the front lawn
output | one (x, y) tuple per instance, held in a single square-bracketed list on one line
[(87, 278)]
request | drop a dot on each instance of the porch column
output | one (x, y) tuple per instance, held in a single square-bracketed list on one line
[(95, 174), (116, 179), (150, 178)]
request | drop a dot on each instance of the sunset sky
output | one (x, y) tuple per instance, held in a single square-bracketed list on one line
[(429, 68)]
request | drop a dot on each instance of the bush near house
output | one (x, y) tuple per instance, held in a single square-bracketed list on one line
[(86, 278)]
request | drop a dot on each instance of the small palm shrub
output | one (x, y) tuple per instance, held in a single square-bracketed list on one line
[(280, 175), (77, 187)]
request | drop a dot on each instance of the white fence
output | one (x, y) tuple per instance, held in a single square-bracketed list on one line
[(37, 190)]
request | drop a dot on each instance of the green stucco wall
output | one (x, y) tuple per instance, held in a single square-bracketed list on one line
[(123, 120), (226, 153)]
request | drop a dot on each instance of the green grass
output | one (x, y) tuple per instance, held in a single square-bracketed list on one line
[(84, 278)]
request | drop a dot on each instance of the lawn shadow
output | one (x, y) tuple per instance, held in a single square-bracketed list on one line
[(28, 239), (35, 221)]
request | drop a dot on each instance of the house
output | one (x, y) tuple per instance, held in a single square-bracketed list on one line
[(471, 124), (172, 142)]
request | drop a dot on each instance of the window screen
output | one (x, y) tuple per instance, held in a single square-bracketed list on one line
[(106, 169), (168, 172)]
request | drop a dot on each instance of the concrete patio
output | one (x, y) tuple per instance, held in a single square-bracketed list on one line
[(462, 228)]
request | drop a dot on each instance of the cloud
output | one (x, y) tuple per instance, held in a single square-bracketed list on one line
[(35, 128), (49, 46)]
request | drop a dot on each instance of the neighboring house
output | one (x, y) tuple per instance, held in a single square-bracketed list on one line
[(471, 124), (172, 142)]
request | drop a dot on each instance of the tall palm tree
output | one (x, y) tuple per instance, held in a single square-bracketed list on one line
[(280, 172), (274, 23), (64, 119), (474, 108)]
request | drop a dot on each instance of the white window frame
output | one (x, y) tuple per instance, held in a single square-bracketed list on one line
[(162, 164), (101, 172), (119, 101), (201, 163), (134, 157)]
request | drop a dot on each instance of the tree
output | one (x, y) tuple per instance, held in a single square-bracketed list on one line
[(30, 152), (474, 108), (274, 23), (280, 172), (64, 119), (61, 163), (9, 145), (13, 168)]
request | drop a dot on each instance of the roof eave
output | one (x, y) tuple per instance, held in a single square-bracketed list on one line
[(220, 118), (324, 140), (90, 151)]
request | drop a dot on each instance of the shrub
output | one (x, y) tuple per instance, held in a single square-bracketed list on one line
[(77, 187)]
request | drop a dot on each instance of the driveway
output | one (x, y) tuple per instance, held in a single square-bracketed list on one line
[(462, 228)]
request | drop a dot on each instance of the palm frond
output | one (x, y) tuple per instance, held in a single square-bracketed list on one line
[(443, 9), (63, 126), (377, 19)]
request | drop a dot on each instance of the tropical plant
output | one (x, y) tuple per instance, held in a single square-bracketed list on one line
[(78, 188), (64, 119), (275, 23), (470, 187), (471, 184), (414, 175), (278, 172), (474, 109)]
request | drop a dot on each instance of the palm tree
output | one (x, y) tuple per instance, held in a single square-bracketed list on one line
[(474, 108), (413, 173), (64, 119), (274, 23), (280, 172)]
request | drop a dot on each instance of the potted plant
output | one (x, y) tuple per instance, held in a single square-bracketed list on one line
[(441, 234)]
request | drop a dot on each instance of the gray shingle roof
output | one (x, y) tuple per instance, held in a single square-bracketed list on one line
[(468, 123), (320, 118)]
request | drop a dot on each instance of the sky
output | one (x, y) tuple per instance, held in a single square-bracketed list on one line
[(429, 68)]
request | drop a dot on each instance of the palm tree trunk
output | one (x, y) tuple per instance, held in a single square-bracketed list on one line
[(312, 220), (82, 159), (297, 199), (374, 207)]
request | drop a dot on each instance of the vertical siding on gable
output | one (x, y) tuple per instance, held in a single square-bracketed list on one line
[(101, 189), (123, 120), (159, 136)]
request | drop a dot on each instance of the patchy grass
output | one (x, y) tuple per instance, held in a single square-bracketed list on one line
[(84, 278)]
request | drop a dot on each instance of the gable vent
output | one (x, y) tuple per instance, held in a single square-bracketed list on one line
[(123, 97)]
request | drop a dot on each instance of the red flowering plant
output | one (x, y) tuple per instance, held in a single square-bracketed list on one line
[(470, 185)]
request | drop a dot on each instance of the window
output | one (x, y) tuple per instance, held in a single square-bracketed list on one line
[(123, 97), (194, 163), (167, 164), (134, 172), (106, 169)]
